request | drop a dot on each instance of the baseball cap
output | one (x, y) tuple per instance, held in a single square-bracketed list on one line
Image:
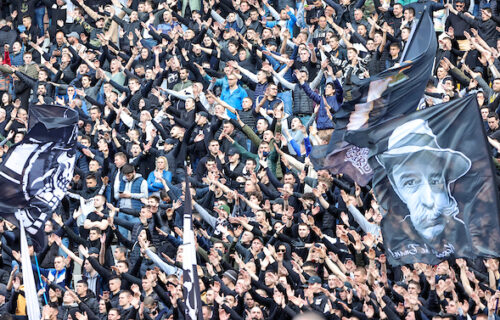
[(314, 279), (304, 69), (170, 141), (232, 151), (277, 201), (225, 207), (203, 114), (259, 238), (74, 34)]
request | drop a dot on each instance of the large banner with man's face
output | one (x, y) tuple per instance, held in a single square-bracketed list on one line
[(434, 180)]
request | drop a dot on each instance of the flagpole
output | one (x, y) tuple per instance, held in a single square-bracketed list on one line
[(189, 265), (30, 294), (42, 285)]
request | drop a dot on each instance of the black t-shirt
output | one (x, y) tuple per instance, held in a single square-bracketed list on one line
[(94, 217), (495, 135), (18, 127)]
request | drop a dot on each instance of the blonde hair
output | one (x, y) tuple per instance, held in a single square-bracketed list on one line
[(165, 160)]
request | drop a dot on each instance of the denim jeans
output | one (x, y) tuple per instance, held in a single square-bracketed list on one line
[(129, 218), (65, 242), (39, 14)]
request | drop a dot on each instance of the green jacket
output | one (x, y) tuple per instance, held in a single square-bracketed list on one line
[(273, 159)]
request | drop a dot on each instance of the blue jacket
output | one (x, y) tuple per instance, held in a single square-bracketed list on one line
[(335, 102), (153, 185), (136, 188)]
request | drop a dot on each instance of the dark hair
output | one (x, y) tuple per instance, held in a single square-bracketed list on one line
[(83, 282), (227, 121), (394, 45), (91, 176), (493, 115), (125, 262), (256, 194), (235, 43), (128, 168), (113, 277), (411, 10), (123, 250), (308, 196), (96, 229), (126, 291), (252, 160), (210, 158), (309, 264), (95, 108), (156, 198)]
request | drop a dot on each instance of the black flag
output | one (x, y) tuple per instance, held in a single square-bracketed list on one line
[(393, 92), (189, 265), (434, 181), (36, 172)]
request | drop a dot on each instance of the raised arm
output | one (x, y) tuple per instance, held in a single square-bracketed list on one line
[(70, 253)]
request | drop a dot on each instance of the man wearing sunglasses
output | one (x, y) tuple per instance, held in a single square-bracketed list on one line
[(454, 24)]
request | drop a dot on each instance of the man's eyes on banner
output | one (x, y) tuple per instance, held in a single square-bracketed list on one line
[(411, 182), (436, 180)]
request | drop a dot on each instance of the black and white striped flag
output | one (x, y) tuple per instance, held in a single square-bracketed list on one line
[(36, 172), (190, 272)]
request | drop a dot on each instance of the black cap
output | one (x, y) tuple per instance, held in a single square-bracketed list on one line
[(272, 43), (314, 279), (232, 151), (170, 141), (277, 201), (260, 239), (401, 284), (203, 114)]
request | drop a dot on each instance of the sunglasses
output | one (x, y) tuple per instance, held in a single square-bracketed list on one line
[(281, 250)]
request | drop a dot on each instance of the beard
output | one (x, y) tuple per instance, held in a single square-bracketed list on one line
[(431, 222)]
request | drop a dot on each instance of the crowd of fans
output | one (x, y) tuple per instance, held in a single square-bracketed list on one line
[(237, 93)]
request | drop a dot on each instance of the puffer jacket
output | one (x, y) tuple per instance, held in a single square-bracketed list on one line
[(301, 102)]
